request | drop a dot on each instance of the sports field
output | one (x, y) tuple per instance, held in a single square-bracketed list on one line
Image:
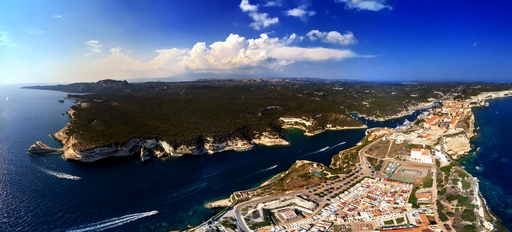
[(409, 173)]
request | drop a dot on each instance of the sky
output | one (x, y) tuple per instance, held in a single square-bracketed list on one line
[(62, 41)]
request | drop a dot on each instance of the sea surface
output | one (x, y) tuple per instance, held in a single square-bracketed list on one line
[(491, 158), (42, 193)]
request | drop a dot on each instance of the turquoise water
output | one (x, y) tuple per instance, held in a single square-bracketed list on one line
[(492, 163), (125, 194)]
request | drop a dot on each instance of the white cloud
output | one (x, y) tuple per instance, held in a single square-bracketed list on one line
[(5, 39), (332, 37), (312, 54), (94, 47), (275, 3), (34, 31), (261, 20), (301, 12), (236, 55), (371, 5), (246, 6), (57, 16)]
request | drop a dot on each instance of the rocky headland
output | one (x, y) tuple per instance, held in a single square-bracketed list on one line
[(40, 148), (117, 118), (147, 148)]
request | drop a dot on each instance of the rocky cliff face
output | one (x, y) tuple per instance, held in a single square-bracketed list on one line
[(311, 127), (457, 146), (407, 111), (145, 148), (270, 139)]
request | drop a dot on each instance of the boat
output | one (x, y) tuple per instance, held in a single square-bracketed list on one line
[(61, 101), (323, 149)]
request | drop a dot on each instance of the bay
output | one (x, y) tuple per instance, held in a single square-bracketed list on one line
[(122, 194)]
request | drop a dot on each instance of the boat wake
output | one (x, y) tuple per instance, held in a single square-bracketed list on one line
[(323, 149), (339, 144), (218, 169), (237, 180), (268, 169), (317, 151), (60, 174), (111, 223)]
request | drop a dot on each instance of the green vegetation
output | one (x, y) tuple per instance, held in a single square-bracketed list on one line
[(412, 198), (266, 222), (440, 209), (374, 162), (466, 184), (461, 200), (428, 182), (400, 220), (469, 215), (462, 174), (298, 177), (446, 169), (186, 113), (418, 122), (469, 228), (442, 192), (389, 222), (229, 223)]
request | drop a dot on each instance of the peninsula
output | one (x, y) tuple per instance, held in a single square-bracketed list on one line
[(159, 119), (395, 179)]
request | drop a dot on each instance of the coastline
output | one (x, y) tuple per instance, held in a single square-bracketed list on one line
[(488, 215), (152, 147), (420, 106), (481, 101)]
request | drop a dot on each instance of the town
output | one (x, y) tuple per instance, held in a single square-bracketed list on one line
[(405, 180)]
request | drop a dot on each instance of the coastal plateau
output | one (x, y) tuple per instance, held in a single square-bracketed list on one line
[(117, 118)]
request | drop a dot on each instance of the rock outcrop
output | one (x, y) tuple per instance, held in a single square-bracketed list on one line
[(457, 146), (41, 148), (311, 127), (269, 139)]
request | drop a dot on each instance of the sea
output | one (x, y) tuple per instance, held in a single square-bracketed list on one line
[(47, 193), (491, 157)]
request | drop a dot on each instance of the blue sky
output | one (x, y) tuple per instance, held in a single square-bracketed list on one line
[(375, 40)]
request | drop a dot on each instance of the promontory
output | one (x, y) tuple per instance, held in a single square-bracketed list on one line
[(163, 119)]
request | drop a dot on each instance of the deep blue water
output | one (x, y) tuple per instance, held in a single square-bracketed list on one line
[(494, 158), (122, 193)]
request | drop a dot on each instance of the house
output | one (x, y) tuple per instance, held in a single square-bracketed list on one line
[(453, 123), (421, 155), (424, 198)]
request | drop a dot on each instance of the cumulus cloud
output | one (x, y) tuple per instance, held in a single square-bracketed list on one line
[(246, 6), (371, 5), (34, 31), (301, 12), (332, 37), (5, 39), (94, 47), (261, 20), (275, 3), (236, 54)]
